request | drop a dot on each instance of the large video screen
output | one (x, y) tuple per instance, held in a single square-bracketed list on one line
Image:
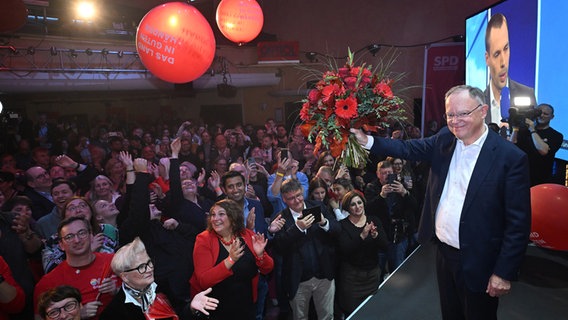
[(538, 30)]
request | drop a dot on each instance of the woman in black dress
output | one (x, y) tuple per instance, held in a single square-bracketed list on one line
[(361, 238)]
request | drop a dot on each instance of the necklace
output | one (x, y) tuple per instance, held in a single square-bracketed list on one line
[(227, 243), (360, 222)]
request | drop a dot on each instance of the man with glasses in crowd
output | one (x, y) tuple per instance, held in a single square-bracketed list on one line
[(477, 208), (38, 190), (83, 269), (308, 255)]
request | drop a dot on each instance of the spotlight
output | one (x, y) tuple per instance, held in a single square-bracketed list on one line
[(72, 53), (120, 54), (53, 51), (311, 56), (104, 52), (374, 49), (30, 51), (89, 52)]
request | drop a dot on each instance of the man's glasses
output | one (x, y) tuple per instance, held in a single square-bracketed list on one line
[(461, 115), (42, 176), (81, 234), (298, 196), (56, 312), (143, 267)]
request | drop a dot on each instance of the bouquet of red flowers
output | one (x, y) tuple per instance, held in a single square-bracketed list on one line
[(345, 98)]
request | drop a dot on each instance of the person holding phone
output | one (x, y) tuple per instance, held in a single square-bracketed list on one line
[(308, 252), (393, 204)]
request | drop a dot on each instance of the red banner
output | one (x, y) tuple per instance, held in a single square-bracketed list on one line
[(444, 68)]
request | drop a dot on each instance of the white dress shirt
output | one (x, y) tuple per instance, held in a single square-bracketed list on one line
[(449, 209)]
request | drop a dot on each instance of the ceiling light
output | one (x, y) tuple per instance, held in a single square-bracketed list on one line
[(85, 10), (89, 52), (53, 51)]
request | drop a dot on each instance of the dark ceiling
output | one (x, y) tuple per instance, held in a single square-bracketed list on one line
[(118, 20)]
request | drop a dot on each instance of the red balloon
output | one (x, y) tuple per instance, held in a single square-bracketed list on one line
[(13, 15), (175, 42), (549, 204), (239, 20)]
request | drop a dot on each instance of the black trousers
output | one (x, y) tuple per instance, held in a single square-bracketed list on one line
[(457, 301)]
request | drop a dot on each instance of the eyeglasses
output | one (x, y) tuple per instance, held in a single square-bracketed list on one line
[(42, 175), (68, 307), (461, 115), (81, 234), (81, 205), (143, 267), (299, 196)]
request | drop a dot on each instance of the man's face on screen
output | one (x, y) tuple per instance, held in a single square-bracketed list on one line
[(497, 58)]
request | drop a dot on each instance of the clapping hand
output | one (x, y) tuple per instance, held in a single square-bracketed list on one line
[(251, 219), (259, 243), (236, 250), (276, 224)]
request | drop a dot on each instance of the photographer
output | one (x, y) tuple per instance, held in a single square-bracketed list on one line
[(394, 205), (540, 142)]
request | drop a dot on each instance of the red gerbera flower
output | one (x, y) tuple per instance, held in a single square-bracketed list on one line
[(346, 108)]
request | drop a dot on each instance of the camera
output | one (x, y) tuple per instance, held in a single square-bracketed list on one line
[(522, 109)]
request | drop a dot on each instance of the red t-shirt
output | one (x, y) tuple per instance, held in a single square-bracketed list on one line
[(86, 279)]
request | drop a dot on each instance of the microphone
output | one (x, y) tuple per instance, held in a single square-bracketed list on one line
[(505, 104)]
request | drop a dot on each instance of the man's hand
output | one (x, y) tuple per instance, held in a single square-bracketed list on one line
[(65, 162), (141, 165), (498, 286), (89, 309), (276, 224), (250, 219), (305, 223), (360, 136), (170, 224), (176, 147)]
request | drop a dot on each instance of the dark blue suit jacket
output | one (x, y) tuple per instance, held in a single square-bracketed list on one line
[(495, 219), (290, 242)]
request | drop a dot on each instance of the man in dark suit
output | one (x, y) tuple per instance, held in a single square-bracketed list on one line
[(477, 205), (307, 250), (497, 53)]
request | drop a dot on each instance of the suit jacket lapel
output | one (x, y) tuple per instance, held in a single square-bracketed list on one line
[(482, 168)]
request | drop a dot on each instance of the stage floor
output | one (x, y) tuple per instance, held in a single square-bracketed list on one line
[(411, 291)]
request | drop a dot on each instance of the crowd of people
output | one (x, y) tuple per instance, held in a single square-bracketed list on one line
[(202, 211), (180, 221)]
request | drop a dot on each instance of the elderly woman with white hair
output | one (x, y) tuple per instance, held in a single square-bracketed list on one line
[(139, 296)]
